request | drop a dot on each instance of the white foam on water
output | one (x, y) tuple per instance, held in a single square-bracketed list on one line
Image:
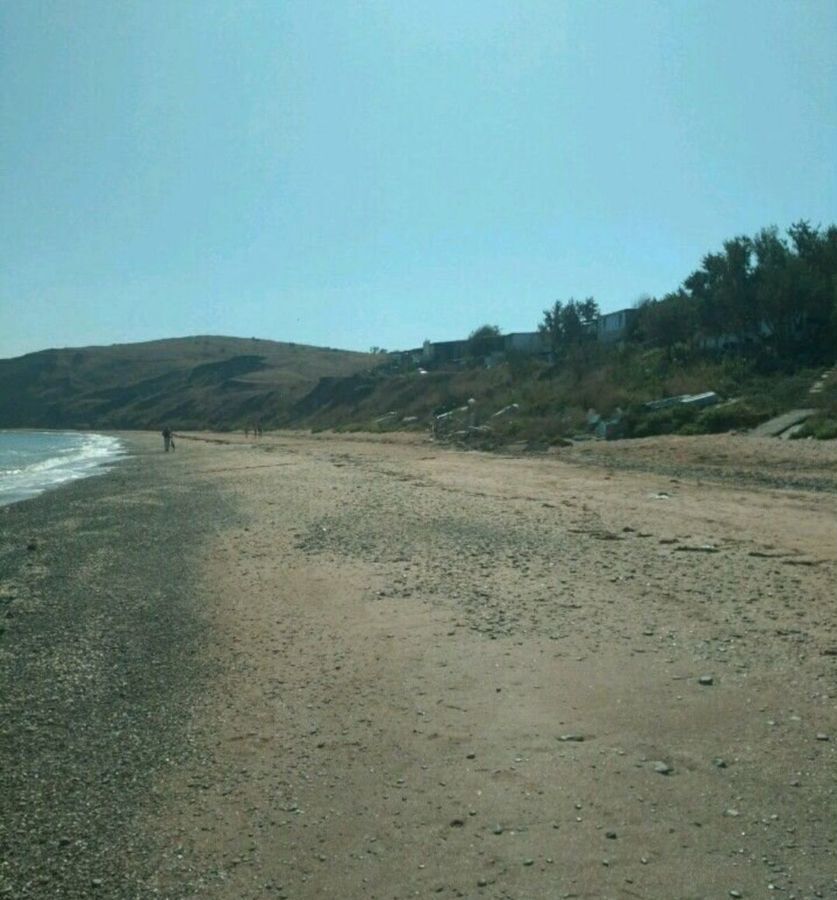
[(32, 462)]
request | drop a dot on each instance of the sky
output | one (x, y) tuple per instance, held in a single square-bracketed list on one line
[(352, 173)]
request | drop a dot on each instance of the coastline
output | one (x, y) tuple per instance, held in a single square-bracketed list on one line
[(36, 460), (99, 663)]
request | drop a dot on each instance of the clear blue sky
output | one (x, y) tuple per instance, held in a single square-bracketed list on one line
[(359, 173)]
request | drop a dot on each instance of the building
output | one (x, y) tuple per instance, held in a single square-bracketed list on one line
[(610, 328), (529, 342), (615, 326), (443, 351)]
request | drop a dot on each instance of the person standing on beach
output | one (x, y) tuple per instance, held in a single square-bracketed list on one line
[(168, 443)]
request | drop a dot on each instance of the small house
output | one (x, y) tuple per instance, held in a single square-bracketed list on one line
[(526, 342), (615, 326)]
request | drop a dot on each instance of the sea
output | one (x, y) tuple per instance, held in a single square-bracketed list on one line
[(32, 462)]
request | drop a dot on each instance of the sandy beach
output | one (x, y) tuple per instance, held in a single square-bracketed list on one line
[(343, 666)]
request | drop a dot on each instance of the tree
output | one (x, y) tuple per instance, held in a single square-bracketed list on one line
[(779, 289), (570, 324), (816, 268), (484, 340), (668, 322), (723, 290), (767, 291)]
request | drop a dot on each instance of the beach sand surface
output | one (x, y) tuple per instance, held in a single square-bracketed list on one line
[(370, 667)]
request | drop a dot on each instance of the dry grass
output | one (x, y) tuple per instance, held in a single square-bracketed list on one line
[(554, 400)]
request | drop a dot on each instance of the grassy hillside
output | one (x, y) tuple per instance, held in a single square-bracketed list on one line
[(550, 402), (188, 382), (224, 383)]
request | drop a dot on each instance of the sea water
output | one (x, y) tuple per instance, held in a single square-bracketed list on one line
[(35, 461)]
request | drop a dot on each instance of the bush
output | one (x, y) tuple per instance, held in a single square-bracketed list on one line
[(642, 422), (822, 428), (827, 399), (826, 430), (690, 429), (689, 420), (729, 417)]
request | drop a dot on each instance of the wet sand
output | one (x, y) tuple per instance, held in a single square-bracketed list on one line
[(324, 666)]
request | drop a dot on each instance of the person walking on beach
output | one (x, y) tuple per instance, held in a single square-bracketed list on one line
[(168, 440)]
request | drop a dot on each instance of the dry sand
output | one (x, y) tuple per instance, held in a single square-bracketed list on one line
[(429, 673)]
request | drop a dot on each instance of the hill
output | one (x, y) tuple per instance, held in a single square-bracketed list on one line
[(192, 382), (542, 401)]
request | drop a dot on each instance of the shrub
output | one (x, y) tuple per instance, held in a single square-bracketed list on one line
[(690, 428), (826, 430), (729, 417), (822, 428), (642, 422)]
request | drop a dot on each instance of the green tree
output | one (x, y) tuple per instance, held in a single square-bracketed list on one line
[(668, 322), (778, 281), (483, 341), (570, 324), (816, 267), (724, 292)]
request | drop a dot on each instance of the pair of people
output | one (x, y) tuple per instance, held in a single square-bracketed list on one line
[(168, 439)]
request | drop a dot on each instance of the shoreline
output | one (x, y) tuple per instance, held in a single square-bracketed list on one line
[(39, 468), (99, 663)]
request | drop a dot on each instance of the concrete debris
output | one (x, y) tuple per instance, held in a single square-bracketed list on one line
[(509, 410), (707, 398)]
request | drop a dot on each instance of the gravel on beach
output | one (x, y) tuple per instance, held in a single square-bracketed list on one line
[(100, 625)]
